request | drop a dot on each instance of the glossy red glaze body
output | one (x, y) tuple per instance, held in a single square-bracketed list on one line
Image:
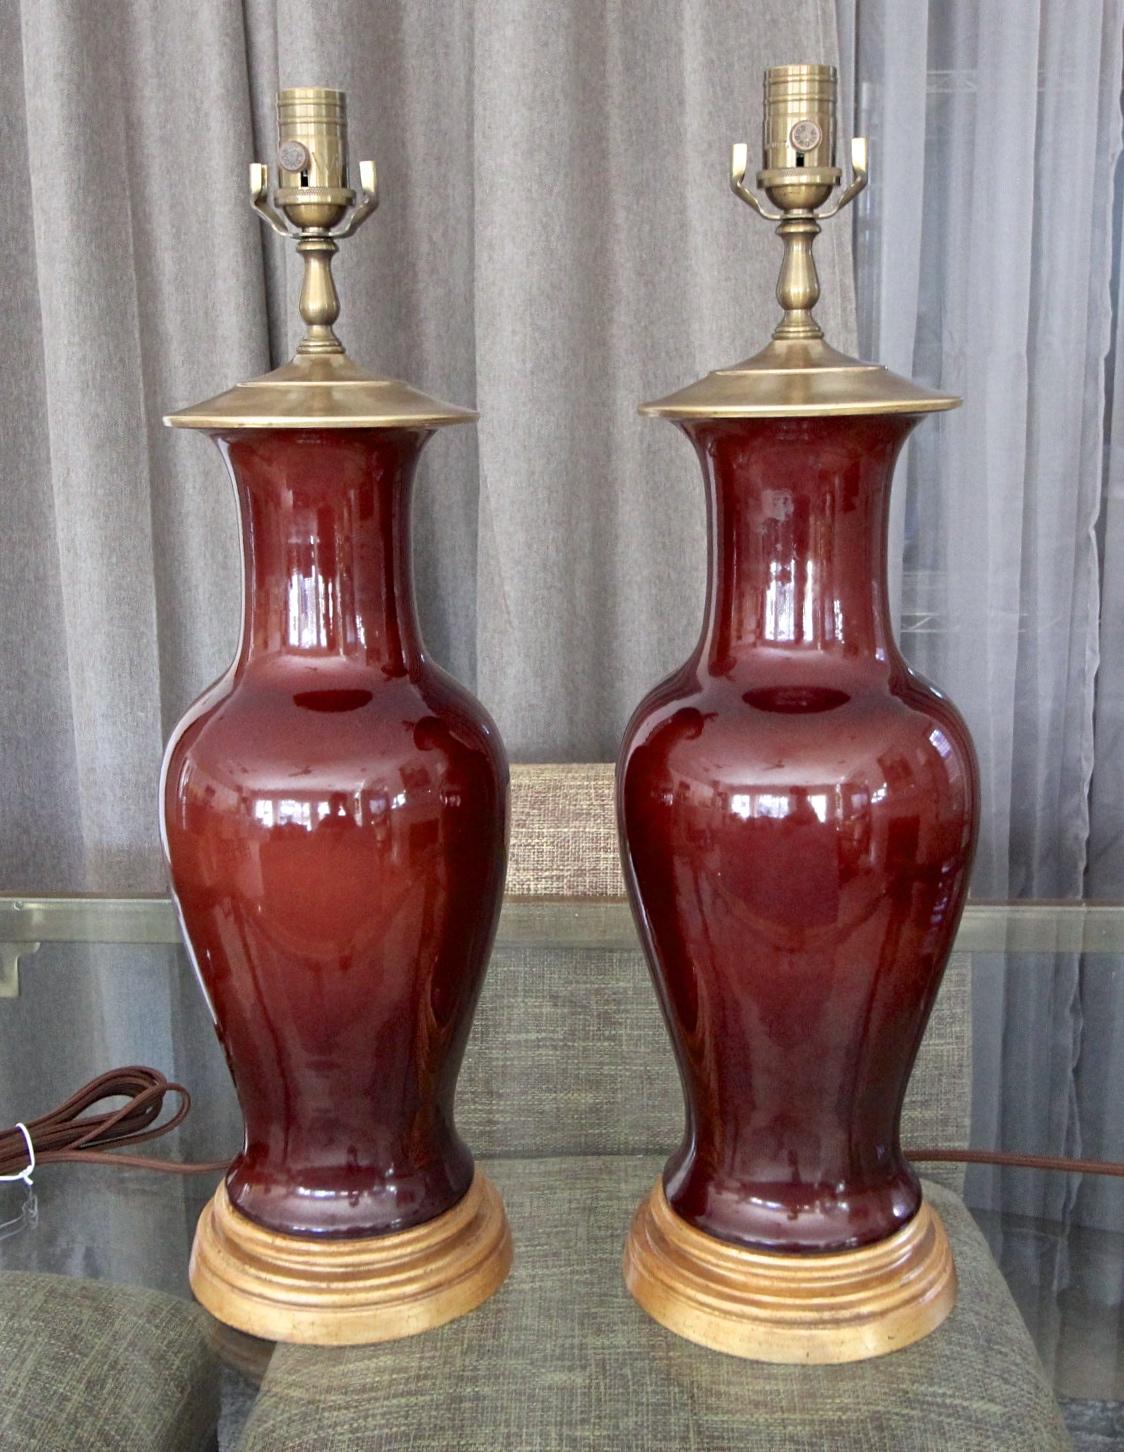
[(335, 813), (797, 813)]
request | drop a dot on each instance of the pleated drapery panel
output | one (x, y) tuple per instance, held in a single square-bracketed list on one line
[(985, 257), (1099, 1072), (613, 265), (556, 242), (125, 573)]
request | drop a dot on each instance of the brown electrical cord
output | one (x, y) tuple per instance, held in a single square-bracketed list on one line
[(66, 1134), (1020, 1162)]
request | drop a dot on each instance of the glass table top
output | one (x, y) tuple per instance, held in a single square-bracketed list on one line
[(87, 984)]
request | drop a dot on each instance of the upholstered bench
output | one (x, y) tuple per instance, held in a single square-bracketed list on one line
[(89, 1366), (570, 1096)]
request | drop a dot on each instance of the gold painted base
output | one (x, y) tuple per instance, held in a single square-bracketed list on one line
[(350, 1292), (800, 1309)]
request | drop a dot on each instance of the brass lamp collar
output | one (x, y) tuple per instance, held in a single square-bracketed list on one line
[(798, 374), (316, 207)]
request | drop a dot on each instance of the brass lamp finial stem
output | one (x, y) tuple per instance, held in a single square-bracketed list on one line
[(798, 175), (798, 287), (314, 199), (319, 301)]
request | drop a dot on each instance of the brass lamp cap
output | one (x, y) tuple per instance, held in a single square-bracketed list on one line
[(800, 378), (320, 391)]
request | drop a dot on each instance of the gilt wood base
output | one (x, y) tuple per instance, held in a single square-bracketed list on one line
[(810, 1309), (330, 1292)]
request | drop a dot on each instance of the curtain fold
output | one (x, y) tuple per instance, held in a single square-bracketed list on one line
[(1100, 1068), (556, 241)]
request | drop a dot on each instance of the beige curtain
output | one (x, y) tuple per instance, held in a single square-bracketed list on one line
[(556, 243)]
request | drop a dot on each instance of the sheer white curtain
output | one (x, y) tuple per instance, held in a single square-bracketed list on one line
[(1100, 1072), (984, 259)]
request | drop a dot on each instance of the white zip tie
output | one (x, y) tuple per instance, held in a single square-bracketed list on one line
[(26, 1173)]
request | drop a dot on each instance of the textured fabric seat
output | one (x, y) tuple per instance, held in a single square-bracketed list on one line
[(570, 1096), (87, 1366), (562, 1358)]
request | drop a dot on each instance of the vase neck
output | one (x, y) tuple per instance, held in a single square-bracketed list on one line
[(797, 527), (326, 541)]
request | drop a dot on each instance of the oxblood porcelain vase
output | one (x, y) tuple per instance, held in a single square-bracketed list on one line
[(335, 818), (797, 814)]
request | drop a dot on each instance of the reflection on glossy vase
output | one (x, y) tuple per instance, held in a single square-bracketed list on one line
[(335, 813), (797, 811)]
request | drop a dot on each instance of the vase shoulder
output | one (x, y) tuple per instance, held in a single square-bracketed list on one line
[(338, 729), (820, 719)]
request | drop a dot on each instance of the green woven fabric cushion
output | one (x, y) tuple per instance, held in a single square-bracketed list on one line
[(570, 1055), (86, 1366), (562, 1358)]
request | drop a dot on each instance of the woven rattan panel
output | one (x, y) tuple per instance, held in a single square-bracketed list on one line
[(563, 832), (570, 1055)]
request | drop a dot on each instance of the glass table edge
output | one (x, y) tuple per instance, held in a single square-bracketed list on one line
[(545, 922)]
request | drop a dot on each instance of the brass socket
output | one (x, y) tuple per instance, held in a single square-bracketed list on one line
[(798, 136), (312, 174)]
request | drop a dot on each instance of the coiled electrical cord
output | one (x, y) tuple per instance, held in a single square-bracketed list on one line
[(68, 1133)]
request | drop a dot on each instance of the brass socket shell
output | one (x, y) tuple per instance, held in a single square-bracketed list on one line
[(798, 136), (312, 132)]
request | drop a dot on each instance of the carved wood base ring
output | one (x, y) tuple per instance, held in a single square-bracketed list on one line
[(811, 1309), (331, 1292)]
